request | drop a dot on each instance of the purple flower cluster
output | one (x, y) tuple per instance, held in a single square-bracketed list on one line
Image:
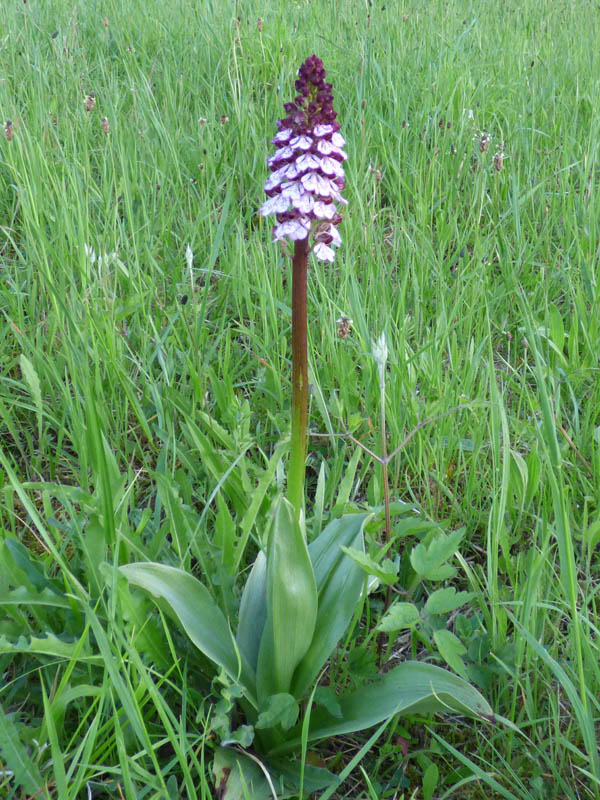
[(307, 173)]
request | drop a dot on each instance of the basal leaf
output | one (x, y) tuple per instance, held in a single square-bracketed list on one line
[(291, 604), (253, 610), (339, 582), (238, 777), (201, 618), (411, 687)]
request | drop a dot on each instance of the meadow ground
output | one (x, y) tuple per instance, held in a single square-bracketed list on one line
[(144, 360)]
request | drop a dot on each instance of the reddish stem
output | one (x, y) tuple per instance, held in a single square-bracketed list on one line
[(299, 377)]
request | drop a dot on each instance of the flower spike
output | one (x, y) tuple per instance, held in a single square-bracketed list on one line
[(307, 166)]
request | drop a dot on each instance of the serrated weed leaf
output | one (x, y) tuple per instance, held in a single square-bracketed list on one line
[(385, 571), (443, 601), (429, 560), (400, 617), (279, 709)]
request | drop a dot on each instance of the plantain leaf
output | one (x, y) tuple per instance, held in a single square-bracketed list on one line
[(409, 688), (253, 610), (201, 618), (291, 604), (339, 582)]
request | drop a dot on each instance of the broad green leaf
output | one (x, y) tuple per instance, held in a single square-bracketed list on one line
[(279, 709), (443, 601), (386, 571), (399, 617), (291, 604), (430, 781), (411, 687), (325, 696), (238, 777), (253, 610), (23, 560), (197, 612), (14, 756), (339, 583), (429, 560), (242, 736), (451, 649)]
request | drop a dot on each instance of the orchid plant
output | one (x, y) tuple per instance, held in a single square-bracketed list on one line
[(299, 598)]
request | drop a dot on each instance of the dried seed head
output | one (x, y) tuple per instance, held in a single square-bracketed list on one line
[(484, 140), (498, 159), (90, 101), (259, 25), (343, 326), (105, 124), (224, 119), (8, 129)]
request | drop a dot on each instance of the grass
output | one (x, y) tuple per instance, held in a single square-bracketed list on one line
[(142, 396)]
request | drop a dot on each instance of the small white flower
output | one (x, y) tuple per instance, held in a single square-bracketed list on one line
[(331, 166), (282, 136), (323, 252), (293, 228), (301, 142), (90, 253), (323, 130), (305, 203), (336, 239), (324, 210), (380, 354), (292, 189), (308, 161)]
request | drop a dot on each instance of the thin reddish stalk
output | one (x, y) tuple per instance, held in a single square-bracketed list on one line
[(299, 377)]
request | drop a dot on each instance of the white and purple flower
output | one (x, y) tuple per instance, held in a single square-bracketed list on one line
[(307, 166)]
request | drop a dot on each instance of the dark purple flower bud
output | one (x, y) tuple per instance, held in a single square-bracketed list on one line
[(307, 173)]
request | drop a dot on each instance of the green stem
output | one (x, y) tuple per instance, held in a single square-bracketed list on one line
[(295, 482)]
